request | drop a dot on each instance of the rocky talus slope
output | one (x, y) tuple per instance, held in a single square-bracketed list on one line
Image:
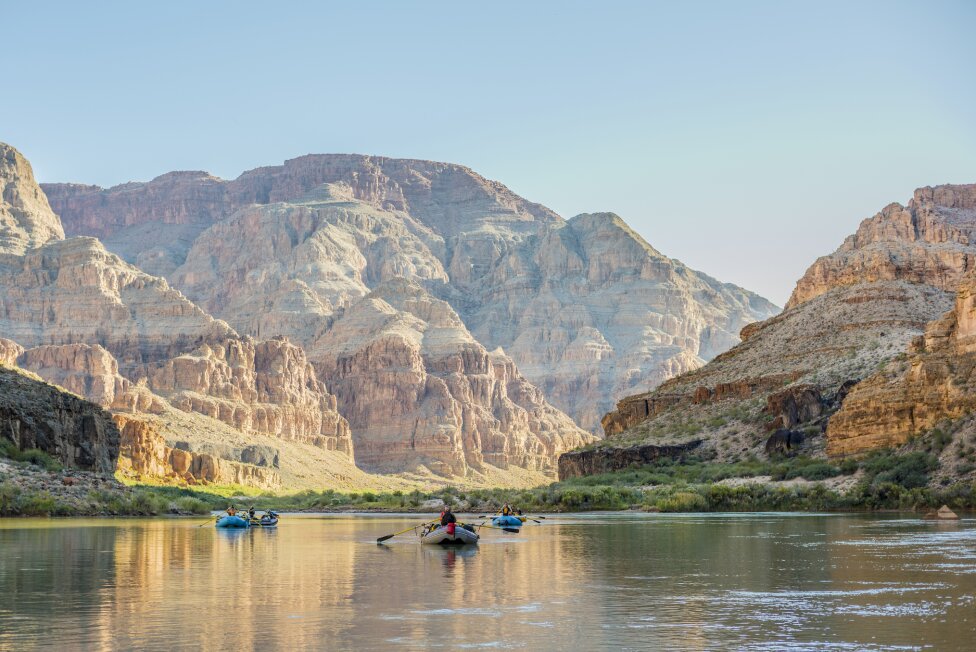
[(936, 383), (586, 309), (851, 314)]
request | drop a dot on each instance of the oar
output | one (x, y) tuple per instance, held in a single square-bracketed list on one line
[(390, 536), (210, 519)]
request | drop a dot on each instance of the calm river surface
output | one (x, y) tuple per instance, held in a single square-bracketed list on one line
[(587, 582)]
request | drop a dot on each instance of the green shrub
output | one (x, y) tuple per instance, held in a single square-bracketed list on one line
[(37, 504), (849, 466), (40, 458), (8, 497), (908, 471), (939, 439), (34, 456), (683, 501)]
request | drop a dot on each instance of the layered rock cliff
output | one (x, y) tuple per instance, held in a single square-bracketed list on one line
[(418, 389), (936, 382), (143, 453), (851, 314), (266, 386), (74, 291), (929, 242), (81, 317), (591, 312), (586, 308)]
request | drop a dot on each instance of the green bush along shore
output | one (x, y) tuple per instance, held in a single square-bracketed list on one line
[(883, 480)]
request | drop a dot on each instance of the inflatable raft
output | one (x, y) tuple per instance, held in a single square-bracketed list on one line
[(232, 521), (507, 521), (451, 535)]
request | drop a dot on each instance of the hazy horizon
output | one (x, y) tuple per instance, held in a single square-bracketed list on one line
[(744, 141)]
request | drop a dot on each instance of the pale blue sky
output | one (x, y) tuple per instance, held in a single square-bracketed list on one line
[(745, 139)]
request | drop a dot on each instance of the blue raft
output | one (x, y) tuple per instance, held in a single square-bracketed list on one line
[(507, 521), (232, 521)]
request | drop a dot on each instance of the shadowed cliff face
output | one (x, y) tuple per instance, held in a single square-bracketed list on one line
[(34, 414), (581, 463), (586, 309), (851, 314)]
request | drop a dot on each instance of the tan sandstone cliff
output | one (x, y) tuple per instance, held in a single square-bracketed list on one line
[(937, 382), (418, 389), (82, 318), (929, 242)]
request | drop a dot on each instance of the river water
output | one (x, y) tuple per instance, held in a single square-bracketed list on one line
[(577, 582)]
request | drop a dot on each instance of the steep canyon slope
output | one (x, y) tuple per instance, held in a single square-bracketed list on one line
[(852, 313)]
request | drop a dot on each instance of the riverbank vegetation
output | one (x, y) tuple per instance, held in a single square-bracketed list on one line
[(882, 480)]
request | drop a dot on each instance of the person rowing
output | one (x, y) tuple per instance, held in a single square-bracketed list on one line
[(447, 516)]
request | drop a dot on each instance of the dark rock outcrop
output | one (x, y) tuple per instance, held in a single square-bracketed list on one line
[(34, 414), (784, 442), (794, 405), (576, 464)]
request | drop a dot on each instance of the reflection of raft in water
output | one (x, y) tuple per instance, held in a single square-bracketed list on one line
[(450, 535)]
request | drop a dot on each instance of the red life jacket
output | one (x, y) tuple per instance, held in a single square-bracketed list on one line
[(450, 528)]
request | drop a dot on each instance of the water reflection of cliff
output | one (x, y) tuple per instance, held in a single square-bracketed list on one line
[(687, 582), (227, 588)]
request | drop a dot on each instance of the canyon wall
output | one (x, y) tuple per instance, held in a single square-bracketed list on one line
[(586, 309), (418, 389), (26, 219)]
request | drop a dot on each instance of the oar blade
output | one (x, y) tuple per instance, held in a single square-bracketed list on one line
[(510, 530), (382, 539)]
